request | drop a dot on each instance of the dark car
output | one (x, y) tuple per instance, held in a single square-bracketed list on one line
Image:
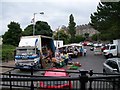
[(111, 65)]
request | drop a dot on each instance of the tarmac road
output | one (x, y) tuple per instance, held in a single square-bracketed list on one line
[(91, 61)]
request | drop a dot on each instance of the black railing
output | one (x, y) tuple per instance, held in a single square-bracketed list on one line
[(86, 80)]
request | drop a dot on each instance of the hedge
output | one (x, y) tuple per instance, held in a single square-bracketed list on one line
[(8, 52)]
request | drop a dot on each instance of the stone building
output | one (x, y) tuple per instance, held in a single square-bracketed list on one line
[(82, 29)]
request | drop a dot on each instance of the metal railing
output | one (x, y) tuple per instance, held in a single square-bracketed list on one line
[(86, 80)]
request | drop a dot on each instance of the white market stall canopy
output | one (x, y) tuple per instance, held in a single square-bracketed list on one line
[(72, 45)]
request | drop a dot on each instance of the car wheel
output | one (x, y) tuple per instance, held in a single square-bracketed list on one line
[(106, 57)]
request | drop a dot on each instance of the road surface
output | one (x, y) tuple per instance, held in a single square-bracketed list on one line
[(91, 61)]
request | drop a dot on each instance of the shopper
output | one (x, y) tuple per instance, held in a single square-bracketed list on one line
[(66, 57), (85, 51), (81, 51)]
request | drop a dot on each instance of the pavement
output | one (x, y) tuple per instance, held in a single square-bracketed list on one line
[(9, 63)]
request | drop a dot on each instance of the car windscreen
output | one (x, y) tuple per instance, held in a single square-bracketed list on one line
[(25, 51)]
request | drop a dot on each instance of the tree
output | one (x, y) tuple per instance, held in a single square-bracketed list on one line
[(95, 37), (86, 35), (106, 19), (79, 39), (28, 31), (41, 28), (61, 35), (71, 28), (12, 36)]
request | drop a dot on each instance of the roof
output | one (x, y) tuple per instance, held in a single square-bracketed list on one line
[(53, 73), (115, 59), (31, 40), (28, 42), (73, 44)]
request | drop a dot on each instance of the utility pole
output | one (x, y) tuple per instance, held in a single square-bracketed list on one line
[(35, 22), (58, 32)]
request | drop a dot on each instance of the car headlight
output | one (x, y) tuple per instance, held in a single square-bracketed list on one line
[(33, 63)]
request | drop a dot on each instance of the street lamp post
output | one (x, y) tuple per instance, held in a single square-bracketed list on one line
[(34, 21)]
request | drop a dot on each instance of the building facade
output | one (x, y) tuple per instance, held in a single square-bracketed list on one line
[(82, 29)]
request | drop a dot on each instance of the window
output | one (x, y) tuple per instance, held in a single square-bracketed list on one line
[(109, 63), (114, 65), (112, 47)]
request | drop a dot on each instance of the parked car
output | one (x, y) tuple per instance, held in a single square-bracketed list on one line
[(56, 84), (97, 50), (111, 65), (103, 48)]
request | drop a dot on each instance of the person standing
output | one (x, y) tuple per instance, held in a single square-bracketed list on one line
[(81, 51), (85, 51), (66, 56)]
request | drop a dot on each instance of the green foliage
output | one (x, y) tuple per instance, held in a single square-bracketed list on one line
[(12, 36), (7, 52), (86, 35), (79, 39), (105, 36), (106, 20), (95, 37), (71, 27), (61, 35), (28, 31), (41, 28)]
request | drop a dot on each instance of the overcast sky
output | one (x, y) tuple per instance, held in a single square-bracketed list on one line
[(56, 12)]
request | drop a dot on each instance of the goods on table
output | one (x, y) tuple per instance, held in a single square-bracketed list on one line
[(74, 67), (77, 64), (58, 63)]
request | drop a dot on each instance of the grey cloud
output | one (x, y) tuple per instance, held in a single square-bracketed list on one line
[(56, 12)]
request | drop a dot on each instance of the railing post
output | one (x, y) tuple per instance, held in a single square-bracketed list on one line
[(10, 81), (90, 73), (113, 84), (32, 86), (83, 80)]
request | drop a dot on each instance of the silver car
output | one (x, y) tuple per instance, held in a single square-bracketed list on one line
[(111, 65)]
